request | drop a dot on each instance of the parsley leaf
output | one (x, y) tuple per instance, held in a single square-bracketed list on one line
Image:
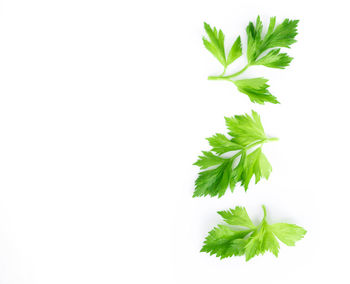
[(215, 45), (238, 217), (221, 144), (287, 233), (247, 136), (214, 181), (274, 59), (235, 52), (262, 50), (208, 160), (228, 240), (245, 129), (225, 242), (256, 89), (281, 36), (258, 165)]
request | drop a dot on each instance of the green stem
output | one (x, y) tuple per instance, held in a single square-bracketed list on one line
[(224, 72), (264, 208), (227, 77), (255, 144), (238, 73), (260, 142), (272, 139)]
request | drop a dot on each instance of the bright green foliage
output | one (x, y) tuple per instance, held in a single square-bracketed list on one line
[(246, 138), (215, 44), (281, 36), (231, 239), (235, 52), (245, 129), (256, 89), (208, 160), (287, 233), (261, 50), (238, 217), (215, 181), (274, 59), (256, 164), (221, 144)]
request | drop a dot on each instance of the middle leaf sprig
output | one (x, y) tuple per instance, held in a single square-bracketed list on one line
[(247, 136)]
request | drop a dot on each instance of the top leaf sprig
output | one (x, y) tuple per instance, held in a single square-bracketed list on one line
[(261, 50)]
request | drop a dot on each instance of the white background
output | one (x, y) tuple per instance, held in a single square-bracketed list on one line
[(104, 106)]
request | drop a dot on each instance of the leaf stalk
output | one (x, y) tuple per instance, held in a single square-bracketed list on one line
[(227, 77)]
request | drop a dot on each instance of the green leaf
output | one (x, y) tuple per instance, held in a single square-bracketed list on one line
[(288, 233), (256, 164), (261, 241), (270, 243), (253, 247), (237, 173), (274, 59), (237, 217), (281, 36), (245, 129), (225, 241), (235, 52), (271, 26), (246, 133), (221, 144), (256, 89), (254, 39), (208, 160), (214, 182), (261, 50), (215, 44)]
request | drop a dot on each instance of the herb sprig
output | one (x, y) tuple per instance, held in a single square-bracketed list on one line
[(261, 50), (239, 236), (247, 136)]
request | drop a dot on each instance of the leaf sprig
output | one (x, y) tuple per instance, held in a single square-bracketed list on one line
[(261, 50), (247, 136), (227, 240)]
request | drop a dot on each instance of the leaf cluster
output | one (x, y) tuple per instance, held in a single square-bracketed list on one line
[(215, 44), (282, 35), (262, 49), (239, 236), (246, 136)]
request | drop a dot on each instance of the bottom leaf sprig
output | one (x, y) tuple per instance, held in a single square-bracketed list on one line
[(227, 240)]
